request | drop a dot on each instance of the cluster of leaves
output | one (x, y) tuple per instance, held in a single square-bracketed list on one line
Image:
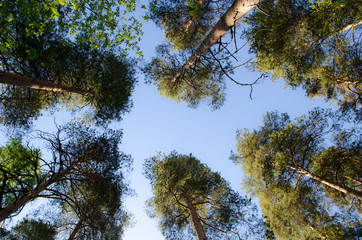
[(30, 229), (313, 45), (102, 80), (179, 180), (20, 168), (98, 23), (282, 161), (203, 82), (78, 45)]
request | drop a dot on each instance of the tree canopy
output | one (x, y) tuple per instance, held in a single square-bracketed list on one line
[(189, 199), (78, 153), (288, 166), (197, 71), (186, 22), (32, 229), (66, 52), (104, 24), (313, 44), (20, 168)]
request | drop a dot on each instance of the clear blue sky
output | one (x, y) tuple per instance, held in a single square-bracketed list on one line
[(159, 124)]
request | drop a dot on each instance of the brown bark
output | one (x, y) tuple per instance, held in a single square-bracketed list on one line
[(19, 80), (21, 202), (195, 218), (76, 229), (337, 186), (233, 15)]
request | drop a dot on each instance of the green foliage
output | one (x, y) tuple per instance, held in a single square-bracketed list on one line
[(93, 193), (95, 198), (102, 23), (20, 168), (104, 81), (186, 22), (33, 229), (81, 159), (270, 157), (79, 45), (176, 178), (203, 82), (306, 44)]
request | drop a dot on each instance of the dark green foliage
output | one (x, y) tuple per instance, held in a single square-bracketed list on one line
[(312, 45), (92, 196), (203, 82), (186, 22), (19, 170), (99, 78), (272, 156), (28, 229), (102, 80), (222, 211), (78, 154), (33, 229)]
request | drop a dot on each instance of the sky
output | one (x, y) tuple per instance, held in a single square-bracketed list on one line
[(157, 124)]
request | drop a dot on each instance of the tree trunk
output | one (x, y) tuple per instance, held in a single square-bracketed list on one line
[(195, 218), (21, 202), (233, 15), (76, 229), (19, 80), (337, 186)]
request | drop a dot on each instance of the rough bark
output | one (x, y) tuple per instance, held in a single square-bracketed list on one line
[(233, 15), (19, 80), (195, 218), (334, 185), (21, 202)]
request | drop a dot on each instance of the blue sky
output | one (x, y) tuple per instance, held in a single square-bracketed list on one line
[(159, 124)]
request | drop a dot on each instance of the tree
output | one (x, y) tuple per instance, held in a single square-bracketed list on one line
[(20, 166), (61, 72), (199, 74), (69, 51), (91, 202), (232, 16), (313, 44), (186, 23), (34, 229), (190, 199), (283, 161), (74, 148), (203, 83), (103, 24)]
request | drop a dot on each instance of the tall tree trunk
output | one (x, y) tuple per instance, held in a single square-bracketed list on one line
[(21, 202), (19, 80), (76, 228), (195, 218), (337, 186), (233, 15)]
